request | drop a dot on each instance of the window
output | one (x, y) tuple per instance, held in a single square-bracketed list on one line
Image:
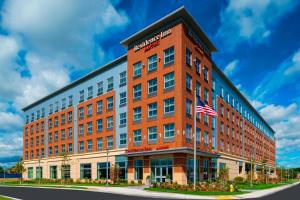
[(137, 136), (205, 73), (63, 134), (123, 79), (90, 92), (90, 145), (188, 82), (152, 133), (152, 110), (99, 144), (55, 121), (206, 95), (30, 172), (70, 116), (137, 91), (188, 107), (198, 89), (39, 172), (89, 110), (103, 170), (222, 92), (63, 103), (70, 147), (70, 133), (89, 128), (137, 114), (70, 100), (27, 119), (138, 169), (169, 130), (32, 117), (188, 131), (99, 106), (198, 131), (169, 80), (50, 108), (85, 171), (169, 105), (197, 65), (123, 139), (53, 172), (110, 84), (222, 127), (38, 114), (63, 119), (81, 113), (99, 125), (81, 129), (110, 103), (137, 69), (100, 88), (110, 142), (56, 150), (109, 123), (205, 138), (188, 56), (81, 96), (169, 56), (152, 63), (152, 86), (123, 98), (63, 148), (123, 119), (56, 106), (81, 146)]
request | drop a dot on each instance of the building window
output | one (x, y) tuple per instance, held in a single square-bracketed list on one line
[(99, 125), (188, 56), (188, 107), (55, 121), (99, 106), (169, 80), (169, 130), (152, 110), (109, 103), (205, 138), (99, 144), (222, 92), (169, 56), (205, 73), (123, 119), (152, 86), (169, 106), (137, 114), (152, 133), (89, 145), (70, 116), (56, 136), (50, 108), (63, 148), (90, 92), (100, 88), (89, 110), (70, 147), (123, 139), (70, 133), (89, 128), (39, 172), (56, 106), (137, 91), (85, 171), (197, 65), (198, 89), (198, 131), (81, 129), (38, 114), (103, 170), (63, 119), (152, 63), (138, 169), (81, 113), (110, 142), (30, 172), (213, 85), (27, 119), (81, 96), (109, 123), (123, 79), (188, 131), (70, 100), (123, 98), (110, 84), (137, 69), (63, 134), (137, 136), (81, 146), (188, 82), (56, 150), (206, 95)]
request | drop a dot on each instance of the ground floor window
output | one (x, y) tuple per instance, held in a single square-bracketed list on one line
[(86, 171), (240, 167), (222, 165), (65, 172), (30, 172), (122, 170), (138, 170), (214, 168), (161, 169), (190, 170), (39, 172), (53, 172), (103, 169), (205, 170), (248, 167)]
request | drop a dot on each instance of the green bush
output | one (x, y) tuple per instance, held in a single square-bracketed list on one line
[(238, 179)]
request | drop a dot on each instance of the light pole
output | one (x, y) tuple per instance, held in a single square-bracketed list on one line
[(4, 174), (106, 167), (195, 142), (40, 170)]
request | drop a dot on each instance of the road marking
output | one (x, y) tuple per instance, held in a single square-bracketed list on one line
[(225, 198), (9, 197)]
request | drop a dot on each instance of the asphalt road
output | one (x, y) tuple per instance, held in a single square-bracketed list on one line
[(56, 194)]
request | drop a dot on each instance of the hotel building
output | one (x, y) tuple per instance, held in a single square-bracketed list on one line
[(136, 113)]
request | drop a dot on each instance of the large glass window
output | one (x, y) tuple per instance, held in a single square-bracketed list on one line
[(99, 125), (123, 119), (110, 84), (188, 82), (169, 56), (123, 78), (90, 92), (81, 95), (123, 139), (99, 144), (190, 170), (109, 142), (86, 171), (188, 107), (137, 114), (137, 69), (123, 98), (169, 80), (65, 172), (89, 128), (90, 145), (81, 113), (152, 133), (137, 135), (169, 106), (30, 172), (81, 146), (89, 110), (138, 169), (103, 170), (100, 88), (137, 91), (152, 86), (197, 65), (152, 110), (188, 56), (188, 131), (152, 63), (110, 103), (53, 172), (109, 122), (169, 130), (99, 106), (39, 172)]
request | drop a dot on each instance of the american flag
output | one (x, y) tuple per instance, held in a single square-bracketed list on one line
[(204, 108)]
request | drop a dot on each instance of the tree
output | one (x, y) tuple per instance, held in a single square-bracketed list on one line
[(224, 175), (64, 164), (264, 169), (19, 169)]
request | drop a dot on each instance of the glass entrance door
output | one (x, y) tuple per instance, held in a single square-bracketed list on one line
[(161, 169)]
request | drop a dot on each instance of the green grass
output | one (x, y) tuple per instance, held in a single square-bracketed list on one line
[(4, 198), (192, 192), (261, 186)]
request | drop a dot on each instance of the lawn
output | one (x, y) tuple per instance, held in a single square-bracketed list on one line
[(261, 186), (192, 192), (4, 198)]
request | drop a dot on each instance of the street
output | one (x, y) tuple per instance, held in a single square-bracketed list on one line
[(57, 194)]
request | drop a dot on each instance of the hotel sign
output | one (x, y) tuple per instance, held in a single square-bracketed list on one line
[(152, 42), (147, 149)]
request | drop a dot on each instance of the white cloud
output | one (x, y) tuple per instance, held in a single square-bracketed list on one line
[(257, 104), (274, 113), (231, 67), (251, 21), (11, 144), (10, 121), (295, 64)]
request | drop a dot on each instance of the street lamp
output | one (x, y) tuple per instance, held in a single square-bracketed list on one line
[(39, 170), (106, 167)]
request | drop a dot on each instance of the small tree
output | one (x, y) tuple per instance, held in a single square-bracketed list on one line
[(224, 175), (114, 173), (264, 170), (19, 169), (64, 164)]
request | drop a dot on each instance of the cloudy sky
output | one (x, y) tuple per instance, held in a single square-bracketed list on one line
[(45, 44)]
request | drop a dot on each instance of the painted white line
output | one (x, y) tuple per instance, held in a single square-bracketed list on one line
[(9, 197)]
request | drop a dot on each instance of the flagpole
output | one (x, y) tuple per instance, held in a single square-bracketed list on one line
[(195, 132)]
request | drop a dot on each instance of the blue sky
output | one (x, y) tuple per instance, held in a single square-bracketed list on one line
[(44, 45)]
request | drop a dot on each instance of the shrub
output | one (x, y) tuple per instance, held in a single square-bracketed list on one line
[(238, 179)]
